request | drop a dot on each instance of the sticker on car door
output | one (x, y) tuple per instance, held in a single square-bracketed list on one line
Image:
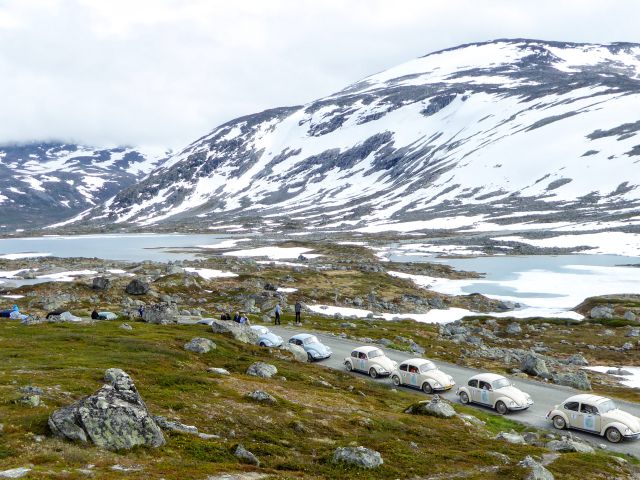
[(484, 396), (413, 378), (590, 422)]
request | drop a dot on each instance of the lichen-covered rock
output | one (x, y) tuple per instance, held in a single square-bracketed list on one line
[(242, 333), (173, 426), (246, 456), (569, 445), (578, 380), (536, 470), (137, 287), (262, 397), (511, 437), (601, 311), (298, 352), (434, 407), (15, 472), (534, 365), (114, 418), (358, 456), (100, 283), (160, 313), (200, 345), (261, 369), (514, 328)]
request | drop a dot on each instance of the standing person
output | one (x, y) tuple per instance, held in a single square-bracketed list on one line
[(298, 312), (277, 322)]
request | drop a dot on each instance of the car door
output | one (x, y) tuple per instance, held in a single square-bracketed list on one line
[(412, 375), (485, 394), (403, 373), (474, 393), (572, 411), (591, 419), (363, 362)]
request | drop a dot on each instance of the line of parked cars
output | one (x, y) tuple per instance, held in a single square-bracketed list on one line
[(590, 413)]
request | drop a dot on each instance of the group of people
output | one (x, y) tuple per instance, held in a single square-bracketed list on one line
[(241, 318), (10, 313)]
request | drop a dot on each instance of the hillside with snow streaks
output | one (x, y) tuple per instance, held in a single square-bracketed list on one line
[(500, 132), (41, 183)]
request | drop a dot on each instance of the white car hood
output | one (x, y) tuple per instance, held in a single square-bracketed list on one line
[(514, 394), (439, 376), (626, 418)]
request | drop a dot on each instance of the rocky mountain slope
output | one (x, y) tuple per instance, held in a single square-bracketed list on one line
[(489, 132), (43, 183)]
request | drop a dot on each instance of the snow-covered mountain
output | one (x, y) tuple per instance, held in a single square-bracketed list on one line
[(43, 183), (488, 132)]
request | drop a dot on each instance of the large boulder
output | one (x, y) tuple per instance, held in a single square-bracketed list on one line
[(160, 313), (578, 380), (114, 418), (200, 345), (246, 456), (137, 287), (358, 456), (534, 365), (601, 311), (536, 470), (262, 370), (100, 283), (514, 328), (511, 437), (262, 397), (434, 407), (569, 445), (298, 352), (242, 333)]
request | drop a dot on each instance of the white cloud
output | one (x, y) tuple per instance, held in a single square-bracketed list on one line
[(164, 72)]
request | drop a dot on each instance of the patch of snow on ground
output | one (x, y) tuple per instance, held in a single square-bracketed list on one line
[(284, 264), (224, 244), (67, 276), (274, 252), (13, 297), (632, 381), (286, 289), (611, 243), (357, 244), (208, 273), (445, 223), (18, 256), (434, 316)]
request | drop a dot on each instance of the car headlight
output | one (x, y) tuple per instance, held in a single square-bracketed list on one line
[(382, 370), (437, 384), (513, 403), (628, 431)]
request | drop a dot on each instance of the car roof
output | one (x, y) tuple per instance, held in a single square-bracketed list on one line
[(487, 377), (302, 336), (366, 349), (587, 397), (417, 361), (256, 327)]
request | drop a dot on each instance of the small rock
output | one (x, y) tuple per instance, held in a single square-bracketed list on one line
[(200, 345), (174, 426), (15, 472), (537, 471), (358, 456), (218, 371), (577, 359), (100, 283), (137, 287), (534, 365), (511, 437), (568, 445), (434, 407), (246, 456), (514, 328), (262, 397), (261, 369), (348, 325), (601, 312), (630, 316), (126, 326)]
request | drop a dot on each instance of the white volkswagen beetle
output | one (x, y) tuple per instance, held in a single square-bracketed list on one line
[(494, 391), (370, 360), (595, 414), (423, 374)]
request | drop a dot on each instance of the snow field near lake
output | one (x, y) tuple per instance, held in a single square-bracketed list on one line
[(544, 293), (209, 273), (225, 244), (19, 256), (612, 243), (433, 316), (275, 253), (632, 381)]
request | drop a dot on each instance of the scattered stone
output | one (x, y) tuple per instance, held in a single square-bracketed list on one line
[(634, 332), (246, 456), (218, 371), (115, 417), (200, 345), (618, 371), (577, 359), (238, 476), (627, 346), (241, 333), (569, 445), (358, 456), (100, 283), (434, 407), (514, 328), (160, 313), (534, 365), (511, 437), (262, 397), (299, 353), (15, 472), (577, 380), (537, 471), (348, 325), (173, 426), (601, 312), (137, 287), (126, 326), (261, 369), (630, 316)]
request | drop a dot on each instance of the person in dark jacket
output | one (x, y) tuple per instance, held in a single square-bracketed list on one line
[(277, 322), (298, 309), (55, 313), (95, 315), (225, 316), (236, 317)]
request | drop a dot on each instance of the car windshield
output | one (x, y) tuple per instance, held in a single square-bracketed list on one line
[(607, 406), (500, 383), (375, 353), (310, 340), (425, 367)]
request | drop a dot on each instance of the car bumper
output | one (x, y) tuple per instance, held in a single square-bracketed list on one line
[(633, 436), (444, 389), (521, 407), (322, 357)]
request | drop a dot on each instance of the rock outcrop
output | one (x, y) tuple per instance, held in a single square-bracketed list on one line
[(160, 313), (242, 333), (262, 370), (200, 345), (137, 287), (434, 407), (114, 418), (358, 456)]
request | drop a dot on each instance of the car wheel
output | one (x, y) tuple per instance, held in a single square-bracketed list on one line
[(396, 380), (309, 357), (373, 373), (426, 388), (559, 422), (464, 398), (348, 366), (262, 344), (501, 408), (613, 435)]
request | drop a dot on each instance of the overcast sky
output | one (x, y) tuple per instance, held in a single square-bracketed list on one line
[(164, 72)]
